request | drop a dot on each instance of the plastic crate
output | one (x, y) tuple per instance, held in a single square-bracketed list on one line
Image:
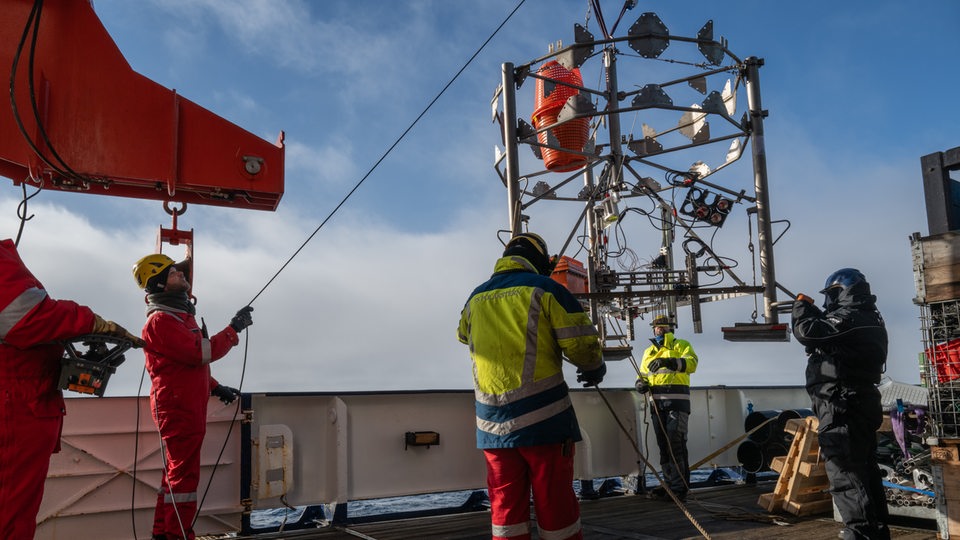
[(570, 273), (945, 358)]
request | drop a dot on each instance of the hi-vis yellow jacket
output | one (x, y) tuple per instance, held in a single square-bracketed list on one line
[(671, 389), (519, 325)]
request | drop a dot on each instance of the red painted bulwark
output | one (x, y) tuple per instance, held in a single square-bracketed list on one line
[(123, 134)]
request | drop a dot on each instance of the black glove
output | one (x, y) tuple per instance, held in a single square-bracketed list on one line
[(673, 364), (242, 319), (592, 377), (641, 386), (225, 394)]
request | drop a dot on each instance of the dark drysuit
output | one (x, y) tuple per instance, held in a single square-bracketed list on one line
[(847, 349)]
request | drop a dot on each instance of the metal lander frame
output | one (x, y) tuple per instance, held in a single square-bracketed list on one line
[(615, 177)]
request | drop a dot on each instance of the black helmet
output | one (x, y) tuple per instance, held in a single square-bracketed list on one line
[(846, 280), (533, 248)]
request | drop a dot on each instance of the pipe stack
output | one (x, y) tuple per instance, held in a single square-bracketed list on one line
[(907, 496), (758, 450)]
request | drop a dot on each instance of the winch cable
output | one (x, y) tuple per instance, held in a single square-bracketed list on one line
[(32, 29), (646, 462), (342, 202), (656, 473), (354, 533), (166, 476), (305, 242), (226, 438), (136, 454), (223, 448), (163, 458), (389, 150), (595, 6), (663, 429), (354, 189), (348, 195), (627, 5), (22, 211), (727, 446)]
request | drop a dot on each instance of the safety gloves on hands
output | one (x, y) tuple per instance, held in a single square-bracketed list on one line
[(804, 298), (242, 319), (592, 377), (641, 386), (225, 394), (110, 328), (673, 364)]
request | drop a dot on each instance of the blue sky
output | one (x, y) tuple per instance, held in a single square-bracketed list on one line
[(856, 92)]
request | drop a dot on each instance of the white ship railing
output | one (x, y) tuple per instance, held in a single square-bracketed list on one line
[(302, 449)]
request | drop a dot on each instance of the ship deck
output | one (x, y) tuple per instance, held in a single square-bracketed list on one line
[(723, 513)]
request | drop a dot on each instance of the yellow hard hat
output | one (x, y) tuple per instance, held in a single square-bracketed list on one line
[(661, 320), (150, 266)]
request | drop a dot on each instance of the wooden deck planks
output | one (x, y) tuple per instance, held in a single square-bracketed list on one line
[(725, 513)]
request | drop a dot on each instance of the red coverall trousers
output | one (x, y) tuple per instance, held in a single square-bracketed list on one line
[(27, 440), (548, 471), (177, 499)]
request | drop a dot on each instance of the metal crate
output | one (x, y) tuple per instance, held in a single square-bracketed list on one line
[(940, 363)]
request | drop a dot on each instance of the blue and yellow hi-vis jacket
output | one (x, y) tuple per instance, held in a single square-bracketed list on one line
[(519, 326), (671, 389)]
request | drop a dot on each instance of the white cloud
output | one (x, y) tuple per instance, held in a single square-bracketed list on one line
[(368, 305), (356, 303), (331, 164)]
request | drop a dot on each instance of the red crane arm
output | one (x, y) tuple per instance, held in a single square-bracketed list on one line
[(79, 118)]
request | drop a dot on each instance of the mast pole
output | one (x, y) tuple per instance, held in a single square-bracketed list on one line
[(510, 147), (764, 234)]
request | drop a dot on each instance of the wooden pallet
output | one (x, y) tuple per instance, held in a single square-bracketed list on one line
[(945, 466), (802, 489)]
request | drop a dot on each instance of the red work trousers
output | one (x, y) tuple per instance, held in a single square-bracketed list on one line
[(27, 440), (547, 470), (177, 498)]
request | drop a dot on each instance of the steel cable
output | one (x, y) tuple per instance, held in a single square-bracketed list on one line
[(387, 152), (646, 462)]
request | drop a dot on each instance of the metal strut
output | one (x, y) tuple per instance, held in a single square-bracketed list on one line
[(175, 237)]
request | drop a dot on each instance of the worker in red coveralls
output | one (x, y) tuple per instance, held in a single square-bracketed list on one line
[(178, 355), (520, 325), (31, 404)]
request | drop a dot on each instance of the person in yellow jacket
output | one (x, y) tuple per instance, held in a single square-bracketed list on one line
[(520, 325), (665, 372)]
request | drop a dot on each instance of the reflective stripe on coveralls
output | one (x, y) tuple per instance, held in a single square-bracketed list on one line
[(560, 534), (18, 308), (206, 351), (525, 420), (179, 497), (510, 531)]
